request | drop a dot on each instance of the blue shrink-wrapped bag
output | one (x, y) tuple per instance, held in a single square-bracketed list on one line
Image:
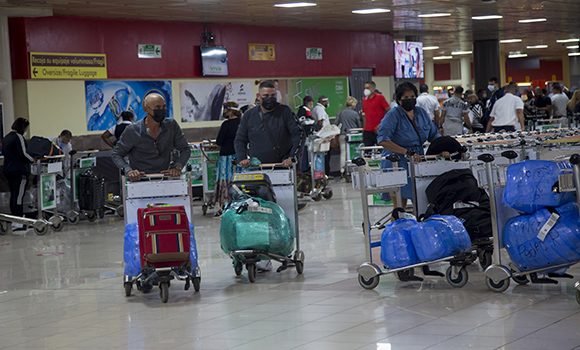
[(561, 244), (192, 247), (131, 251), (440, 236), (529, 186), (396, 245)]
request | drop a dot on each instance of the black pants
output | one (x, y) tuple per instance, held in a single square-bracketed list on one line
[(17, 184), (506, 128), (369, 138)]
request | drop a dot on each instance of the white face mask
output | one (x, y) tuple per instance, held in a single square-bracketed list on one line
[(367, 92), (491, 87)]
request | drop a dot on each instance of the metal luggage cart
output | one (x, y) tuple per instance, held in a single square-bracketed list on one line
[(498, 275), (354, 140), (209, 158), (318, 186), (158, 189), (284, 185), (81, 161), (370, 181), (46, 198)]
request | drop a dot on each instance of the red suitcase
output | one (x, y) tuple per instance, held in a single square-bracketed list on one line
[(163, 236)]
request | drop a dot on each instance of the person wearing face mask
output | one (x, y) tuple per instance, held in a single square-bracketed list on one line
[(17, 167), (455, 113), (269, 132), (404, 130), (63, 141), (374, 106), (319, 112), (225, 139), (150, 143)]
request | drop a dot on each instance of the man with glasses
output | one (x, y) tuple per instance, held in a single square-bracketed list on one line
[(268, 132), (150, 143)]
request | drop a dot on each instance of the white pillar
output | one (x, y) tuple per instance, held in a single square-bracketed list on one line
[(466, 72), (429, 72), (6, 96)]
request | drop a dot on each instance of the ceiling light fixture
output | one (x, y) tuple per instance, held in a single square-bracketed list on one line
[(518, 55), (427, 48), (433, 15), (574, 54), (573, 47), (563, 41), (481, 18), (537, 47), (510, 41), (438, 58), (295, 5), (370, 11), (454, 53), (533, 20)]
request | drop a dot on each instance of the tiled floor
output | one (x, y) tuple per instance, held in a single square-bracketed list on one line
[(64, 291)]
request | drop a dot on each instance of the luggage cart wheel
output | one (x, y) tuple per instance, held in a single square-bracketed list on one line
[(204, 209), (101, 213), (164, 291), (485, 259), (40, 228), (299, 267), (196, 283), (4, 227), (578, 296), (317, 197), (128, 286), (370, 283), (327, 194), (119, 211), (521, 280), (251, 272), (92, 216), (73, 217), (238, 267), (498, 287), (457, 276)]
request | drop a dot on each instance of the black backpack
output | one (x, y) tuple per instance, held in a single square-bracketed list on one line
[(254, 185), (39, 147), (457, 193)]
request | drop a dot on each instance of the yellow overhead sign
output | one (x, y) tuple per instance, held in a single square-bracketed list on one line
[(64, 66), (262, 52)]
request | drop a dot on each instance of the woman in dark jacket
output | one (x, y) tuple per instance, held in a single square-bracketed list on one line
[(225, 139), (17, 165)]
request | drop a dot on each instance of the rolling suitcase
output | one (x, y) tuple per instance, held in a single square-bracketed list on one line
[(91, 192), (164, 236)]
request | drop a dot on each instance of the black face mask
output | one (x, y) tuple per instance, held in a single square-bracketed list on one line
[(269, 103), (408, 104), (159, 115)]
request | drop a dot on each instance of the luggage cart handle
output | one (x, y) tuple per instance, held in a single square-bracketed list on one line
[(486, 158), (509, 155)]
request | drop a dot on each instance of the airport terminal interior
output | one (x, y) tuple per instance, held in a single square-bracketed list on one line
[(269, 174)]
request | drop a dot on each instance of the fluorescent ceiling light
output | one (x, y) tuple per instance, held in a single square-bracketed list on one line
[(295, 4), (437, 58), (569, 47), (563, 41), (537, 47), (370, 11), (433, 15), (524, 84), (532, 20), (518, 55), (574, 54), (461, 53), (510, 41), (481, 18), (427, 48)]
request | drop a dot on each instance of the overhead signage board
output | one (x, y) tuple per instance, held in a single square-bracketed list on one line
[(149, 51), (262, 52), (67, 66)]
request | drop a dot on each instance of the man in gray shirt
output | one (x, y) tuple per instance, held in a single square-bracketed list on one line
[(559, 101), (269, 132), (455, 113), (150, 143)]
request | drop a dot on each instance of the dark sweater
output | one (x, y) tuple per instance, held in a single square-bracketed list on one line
[(227, 135), (16, 160)]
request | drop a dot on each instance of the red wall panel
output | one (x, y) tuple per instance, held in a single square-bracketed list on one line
[(545, 72), (442, 71), (342, 50)]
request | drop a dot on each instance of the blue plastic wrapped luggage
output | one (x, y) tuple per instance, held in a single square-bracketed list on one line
[(396, 245), (561, 244), (132, 262), (529, 186), (440, 236)]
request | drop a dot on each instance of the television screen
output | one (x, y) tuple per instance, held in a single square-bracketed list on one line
[(214, 61), (409, 60)]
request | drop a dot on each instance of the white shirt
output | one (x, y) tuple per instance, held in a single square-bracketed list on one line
[(320, 115), (112, 129), (504, 110), (559, 102), (429, 103)]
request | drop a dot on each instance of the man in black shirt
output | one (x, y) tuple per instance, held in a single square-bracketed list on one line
[(543, 102), (269, 132)]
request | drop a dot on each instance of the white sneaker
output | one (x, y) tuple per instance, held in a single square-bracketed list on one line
[(18, 227), (264, 265)]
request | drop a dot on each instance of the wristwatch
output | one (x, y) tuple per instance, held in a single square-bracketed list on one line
[(410, 153)]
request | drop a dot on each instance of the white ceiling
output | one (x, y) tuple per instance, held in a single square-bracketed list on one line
[(452, 33)]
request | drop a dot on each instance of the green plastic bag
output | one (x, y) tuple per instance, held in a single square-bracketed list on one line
[(253, 223)]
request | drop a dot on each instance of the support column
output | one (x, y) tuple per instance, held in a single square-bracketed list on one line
[(486, 62), (574, 64), (465, 64), (566, 73), (6, 95), (429, 72)]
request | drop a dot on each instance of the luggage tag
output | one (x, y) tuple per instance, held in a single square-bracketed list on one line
[(548, 226), (256, 208)]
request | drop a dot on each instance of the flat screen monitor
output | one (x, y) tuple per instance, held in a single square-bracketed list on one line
[(409, 62), (214, 61)]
